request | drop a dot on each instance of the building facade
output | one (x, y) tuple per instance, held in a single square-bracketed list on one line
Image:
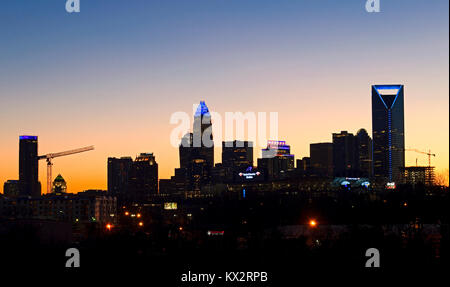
[(345, 155), (388, 132), (28, 166), (143, 177), (118, 175), (321, 157)]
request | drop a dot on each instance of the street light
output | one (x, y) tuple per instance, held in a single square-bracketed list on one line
[(312, 223)]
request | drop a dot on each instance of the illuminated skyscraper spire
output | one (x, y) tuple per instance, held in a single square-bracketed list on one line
[(202, 110)]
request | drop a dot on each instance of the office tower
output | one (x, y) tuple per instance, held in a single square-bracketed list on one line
[(59, 185), (388, 132), (237, 154), (185, 150), (364, 153), (28, 166), (276, 160), (321, 155), (202, 138), (196, 152), (281, 151), (345, 155), (143, 177), (118, 175)]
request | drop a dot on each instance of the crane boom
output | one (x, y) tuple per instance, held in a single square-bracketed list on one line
[(68, 152), (51, 156), (429, 154)]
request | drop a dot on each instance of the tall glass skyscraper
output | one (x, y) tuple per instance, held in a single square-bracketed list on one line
[(388, 132), (197, 151), (28, 166)]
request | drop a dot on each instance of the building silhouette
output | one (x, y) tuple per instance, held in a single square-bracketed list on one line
[(59, 185), (418, 175), (196, 152), (276, 160), (143, 177), (345, 155), (11, 188), (321, 156), (388, 132), (304, 165), (364, 142), (118, 175), (28, 166), (237, 154)]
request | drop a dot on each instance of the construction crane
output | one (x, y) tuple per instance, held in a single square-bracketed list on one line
[(50, 156), (423, 152)]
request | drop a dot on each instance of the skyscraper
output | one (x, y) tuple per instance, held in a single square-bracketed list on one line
[(202, 134), (364, 153), (118, 175), (388, 132), (197, 152), (345, 154), (237, 154), (321, 155), (143, 177), (28, 166), (276, 159)]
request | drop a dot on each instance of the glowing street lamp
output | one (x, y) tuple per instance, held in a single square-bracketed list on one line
[(109, 226), (312, 223), (141, 223)]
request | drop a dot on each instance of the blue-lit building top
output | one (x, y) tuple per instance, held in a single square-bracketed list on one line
[(388, 149), (34, 138), (202, 110)]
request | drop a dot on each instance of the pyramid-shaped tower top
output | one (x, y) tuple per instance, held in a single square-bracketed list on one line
[(202, 110), (59, 178), (388, 94)]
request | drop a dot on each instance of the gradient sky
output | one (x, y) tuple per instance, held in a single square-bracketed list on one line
[(112, 75)]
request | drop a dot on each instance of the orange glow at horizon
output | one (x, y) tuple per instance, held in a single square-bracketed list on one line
[(307, 121)]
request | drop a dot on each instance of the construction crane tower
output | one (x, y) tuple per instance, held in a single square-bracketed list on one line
[(50, 156)]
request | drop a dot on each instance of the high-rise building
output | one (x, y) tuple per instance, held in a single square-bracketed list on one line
[(196, 152), (143, 177), (364, 153), (388, 132), (276, 160), (321, 155), (237, 154), (345, 155), (28, 166), (202, 138), (118, 175)]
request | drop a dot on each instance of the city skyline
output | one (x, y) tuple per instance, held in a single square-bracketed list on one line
[(123, 108)]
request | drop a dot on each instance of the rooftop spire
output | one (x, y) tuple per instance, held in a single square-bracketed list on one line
[(202, 110)]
